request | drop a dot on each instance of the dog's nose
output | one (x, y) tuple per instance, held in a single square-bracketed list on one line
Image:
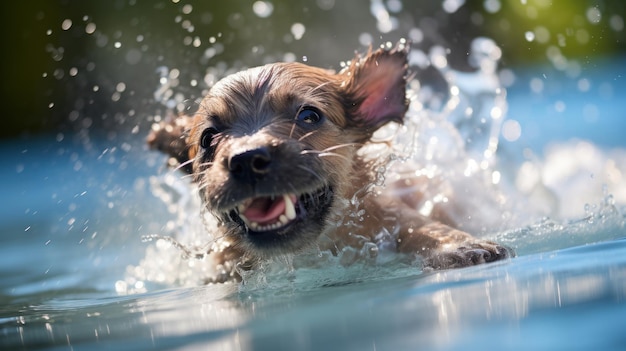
[(250, 165)]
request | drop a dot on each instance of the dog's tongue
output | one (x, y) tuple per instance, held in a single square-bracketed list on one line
[(265, 210)]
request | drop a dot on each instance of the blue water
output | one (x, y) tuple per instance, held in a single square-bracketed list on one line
[(75, 209), (564, 299), (594, 113)]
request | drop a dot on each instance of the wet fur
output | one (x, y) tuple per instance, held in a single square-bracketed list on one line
[(256, 109)]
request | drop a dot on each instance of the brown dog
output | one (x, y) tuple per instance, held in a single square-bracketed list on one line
[(274, 151)]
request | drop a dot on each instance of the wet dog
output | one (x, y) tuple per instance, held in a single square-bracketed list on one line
[(274, 151)]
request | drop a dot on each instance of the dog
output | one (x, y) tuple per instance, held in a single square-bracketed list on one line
[(275, 154)]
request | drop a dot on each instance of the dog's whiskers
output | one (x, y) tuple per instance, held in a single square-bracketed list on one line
[(203, 184), (324, 154), (205, 165), (293, 129), (188, 176), (335, 147), (184, 164), (330, 148), (306, 135)]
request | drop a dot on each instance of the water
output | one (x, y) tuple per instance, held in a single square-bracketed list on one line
[(76, 274)]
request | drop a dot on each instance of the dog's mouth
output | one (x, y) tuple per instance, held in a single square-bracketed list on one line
[(262, 214), (278, 222)]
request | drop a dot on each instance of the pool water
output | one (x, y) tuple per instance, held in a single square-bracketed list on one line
[(76, 270), (558, 299)]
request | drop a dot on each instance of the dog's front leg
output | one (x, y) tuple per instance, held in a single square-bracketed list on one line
[(442, 247)]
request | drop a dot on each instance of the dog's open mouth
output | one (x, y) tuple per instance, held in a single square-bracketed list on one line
[(265, 217), (266, 213)]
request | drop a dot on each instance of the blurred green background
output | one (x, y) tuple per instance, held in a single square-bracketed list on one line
[(73, 64)]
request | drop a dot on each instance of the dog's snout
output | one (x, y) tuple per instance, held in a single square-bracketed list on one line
[(250, 165)]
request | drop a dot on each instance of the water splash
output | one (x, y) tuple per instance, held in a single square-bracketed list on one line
[(197, 253), (477, 103), (181, 255), (602, 221)]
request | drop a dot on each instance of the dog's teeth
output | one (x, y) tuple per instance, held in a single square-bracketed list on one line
[(283, 219), (244, 218), (290, 210)]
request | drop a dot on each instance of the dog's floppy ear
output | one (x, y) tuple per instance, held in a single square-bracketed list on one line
[(375, 87), (170, 137)]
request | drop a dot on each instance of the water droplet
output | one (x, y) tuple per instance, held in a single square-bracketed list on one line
[(451, 6), (593, 15), (120, 87), (365, 39), (584, 84), (326, 4), (492, 6), (530, 36), (262, 9), (495, 177), (66, 24), (536, 85), (617, 23), (610, 200), (542, 34), (298, 29), (90, 28)]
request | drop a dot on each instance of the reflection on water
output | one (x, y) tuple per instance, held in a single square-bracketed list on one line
[(434, 310)]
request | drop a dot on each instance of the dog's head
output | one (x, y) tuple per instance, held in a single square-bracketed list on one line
[(273, 148)]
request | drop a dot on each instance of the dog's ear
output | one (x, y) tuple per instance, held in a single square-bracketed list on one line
[(170, 137), (375, 87)]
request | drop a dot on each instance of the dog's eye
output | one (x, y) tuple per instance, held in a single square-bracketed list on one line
[(207, 137), (309, 115)]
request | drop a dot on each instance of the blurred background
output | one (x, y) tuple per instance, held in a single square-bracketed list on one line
[(73, 65)]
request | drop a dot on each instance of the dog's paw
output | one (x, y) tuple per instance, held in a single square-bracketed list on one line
[(468, 255)]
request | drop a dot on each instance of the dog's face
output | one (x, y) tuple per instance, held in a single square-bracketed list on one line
[(270, 156), (274, 147)]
